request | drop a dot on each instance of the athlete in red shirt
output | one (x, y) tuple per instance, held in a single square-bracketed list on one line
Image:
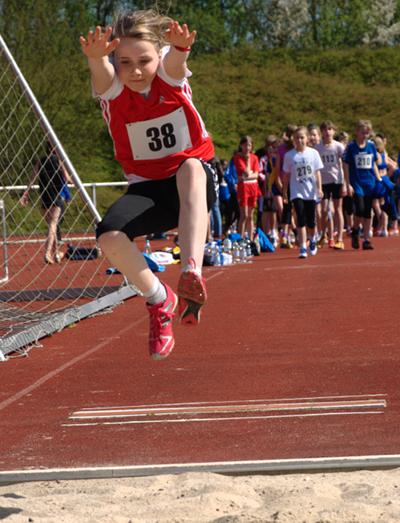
[(163, 147), (247, 168)]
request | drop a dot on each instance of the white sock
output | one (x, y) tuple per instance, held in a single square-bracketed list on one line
[(157, 294), (191, 267)]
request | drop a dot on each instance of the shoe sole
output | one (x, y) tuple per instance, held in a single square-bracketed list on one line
[(189, 312), (192, 296), (157, 356)]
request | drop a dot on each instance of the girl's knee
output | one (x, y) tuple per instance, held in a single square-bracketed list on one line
[(108, 240)]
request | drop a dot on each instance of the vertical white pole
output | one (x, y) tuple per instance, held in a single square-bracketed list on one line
[(5, 247)]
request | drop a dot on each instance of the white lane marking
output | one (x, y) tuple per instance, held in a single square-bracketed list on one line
[(221, 409), (231, 418), (229, 402)]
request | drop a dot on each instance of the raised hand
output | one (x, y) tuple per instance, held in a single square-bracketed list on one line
[(96, 44), (180, 36)]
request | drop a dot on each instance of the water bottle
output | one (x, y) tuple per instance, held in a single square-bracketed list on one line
[(227, 245), (243, 252), (236, 252), (247, 245), (147, 247), (226, 258), (215, 257)]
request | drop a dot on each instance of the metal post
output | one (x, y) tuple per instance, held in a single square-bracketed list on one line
[(94, 195), (5, 247), (48, 128)]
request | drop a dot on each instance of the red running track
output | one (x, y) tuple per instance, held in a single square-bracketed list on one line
[(294, 359)]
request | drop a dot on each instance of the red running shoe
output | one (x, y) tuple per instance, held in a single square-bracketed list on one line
[(192, 296), (161, 336)]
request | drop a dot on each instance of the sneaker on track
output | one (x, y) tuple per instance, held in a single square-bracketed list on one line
[(355, 241), (367, 246), (313, 248), (161, 336), (303, 252), (192, 296), (339, 246)]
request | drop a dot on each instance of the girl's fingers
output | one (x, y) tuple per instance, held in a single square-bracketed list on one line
[(108, 32), (113, 44), (90, 37)]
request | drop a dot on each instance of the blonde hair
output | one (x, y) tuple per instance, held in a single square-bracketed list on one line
[(301, 129), (361, 124), (146, 25)]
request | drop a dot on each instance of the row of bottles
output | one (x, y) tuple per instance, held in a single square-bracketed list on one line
[(228, 251)]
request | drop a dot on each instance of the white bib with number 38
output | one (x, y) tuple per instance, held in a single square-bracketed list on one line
[(363, 161), (159, 137)]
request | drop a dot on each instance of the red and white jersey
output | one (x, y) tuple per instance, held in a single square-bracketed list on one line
[(153, 135)]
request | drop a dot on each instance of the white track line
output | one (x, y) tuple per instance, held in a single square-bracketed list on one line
[(228, 402), (224, 409), (202, 420)]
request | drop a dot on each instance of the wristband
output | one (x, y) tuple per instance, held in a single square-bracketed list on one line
[(182, 49)]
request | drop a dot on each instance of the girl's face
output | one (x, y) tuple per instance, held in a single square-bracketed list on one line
[(136, 62), (328, 134), (362, 134), (300, 140), (246, 147), (315, 137)]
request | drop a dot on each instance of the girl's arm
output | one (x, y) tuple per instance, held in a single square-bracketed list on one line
[(344, 186), (278, 181), (181, 41), (319, 183), (392, 166), (285, 185), (66, 175), (376, 170), (96, 47), (349, 188), (25, 196)]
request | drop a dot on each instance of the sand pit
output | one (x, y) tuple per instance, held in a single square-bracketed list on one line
[(340, 497)]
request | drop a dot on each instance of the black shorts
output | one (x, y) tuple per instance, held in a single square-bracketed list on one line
[(269, 205), (333, 190), (348, 205), (48, 202), (363, 206), (305, 212), (149, 207)]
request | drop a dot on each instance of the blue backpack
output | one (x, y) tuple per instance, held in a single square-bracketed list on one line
[(265, 244)]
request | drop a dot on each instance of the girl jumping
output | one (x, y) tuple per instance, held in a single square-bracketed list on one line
[(138, 70)]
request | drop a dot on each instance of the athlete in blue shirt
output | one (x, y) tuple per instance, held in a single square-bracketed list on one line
[(360, 166)]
